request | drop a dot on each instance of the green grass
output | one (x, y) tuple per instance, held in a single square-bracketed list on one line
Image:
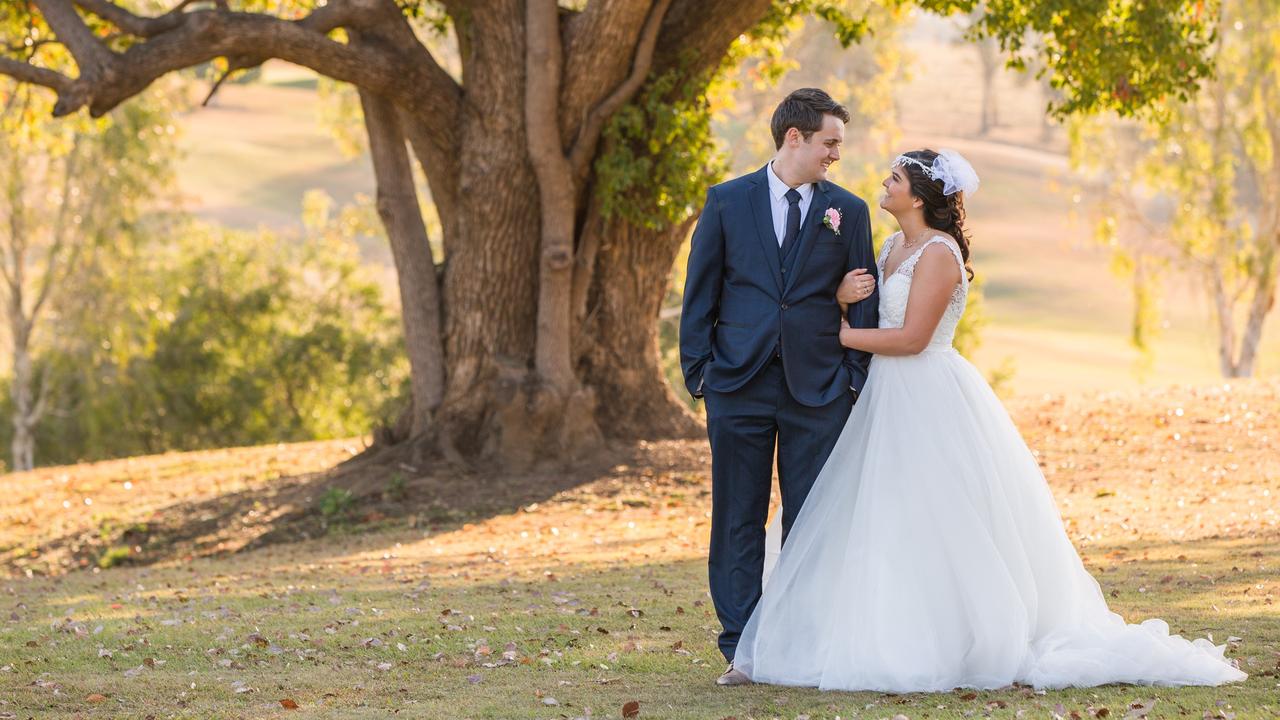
[(371, 637), (598, 591)]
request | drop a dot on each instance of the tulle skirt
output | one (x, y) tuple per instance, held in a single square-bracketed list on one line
[(929, 555)]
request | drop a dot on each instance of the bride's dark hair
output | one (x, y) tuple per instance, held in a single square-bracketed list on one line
[(941, 212)]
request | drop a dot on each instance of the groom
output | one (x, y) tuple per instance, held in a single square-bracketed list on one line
[(759, 339)]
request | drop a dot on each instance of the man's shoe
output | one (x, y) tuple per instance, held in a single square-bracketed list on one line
[(733, 677)]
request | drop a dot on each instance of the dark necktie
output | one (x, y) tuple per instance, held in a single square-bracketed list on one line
[(793, 222)]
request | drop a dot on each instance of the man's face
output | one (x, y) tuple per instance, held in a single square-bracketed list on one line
[(814, 156)]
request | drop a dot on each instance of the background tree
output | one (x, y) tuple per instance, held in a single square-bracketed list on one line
[(1196, 186), (67, 187), (572, 140), (204, 337)]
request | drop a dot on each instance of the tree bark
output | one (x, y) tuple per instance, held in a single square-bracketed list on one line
[(617, 349), (556, 195), (415, 269)]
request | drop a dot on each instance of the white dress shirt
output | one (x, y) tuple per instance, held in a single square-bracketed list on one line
[(779, 206)]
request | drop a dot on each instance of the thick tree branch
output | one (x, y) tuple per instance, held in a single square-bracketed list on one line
[(584, 147), (414, 81), (599, 46), (28, 73), (555, 191), (132, 24), (324, 19), (436, 147), (94, 59), (419, 292), (696, 34)]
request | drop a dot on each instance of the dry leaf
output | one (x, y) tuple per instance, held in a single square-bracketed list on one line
[(288, 704), (631, 710)]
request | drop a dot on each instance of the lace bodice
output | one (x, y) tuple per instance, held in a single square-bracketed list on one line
[(895, 289)]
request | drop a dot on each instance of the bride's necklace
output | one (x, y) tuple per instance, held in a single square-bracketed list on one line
[(908, 244)]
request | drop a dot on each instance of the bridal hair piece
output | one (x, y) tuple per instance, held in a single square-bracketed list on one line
[(955, 173)]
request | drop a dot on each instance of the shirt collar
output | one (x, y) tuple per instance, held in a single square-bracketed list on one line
[(778, 189)]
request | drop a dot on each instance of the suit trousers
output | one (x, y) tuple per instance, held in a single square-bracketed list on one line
[(744, 427)]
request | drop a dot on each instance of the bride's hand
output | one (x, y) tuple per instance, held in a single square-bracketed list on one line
[(857, 285), (844, 325)]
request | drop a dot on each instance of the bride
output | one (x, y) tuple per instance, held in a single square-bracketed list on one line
[(929, 554)]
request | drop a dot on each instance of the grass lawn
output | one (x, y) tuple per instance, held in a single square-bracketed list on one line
[(594, 596)]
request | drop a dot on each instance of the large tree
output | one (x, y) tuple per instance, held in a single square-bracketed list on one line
[(567, 161), (65, 188)]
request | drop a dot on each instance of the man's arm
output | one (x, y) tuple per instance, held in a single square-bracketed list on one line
[(865, 313), (701, 294)]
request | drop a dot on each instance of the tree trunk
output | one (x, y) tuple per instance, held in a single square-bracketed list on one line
[(1264, 299), (23, 444), (415, 269), (989, 52), (617, 348), (556, 196), (1226, 323)]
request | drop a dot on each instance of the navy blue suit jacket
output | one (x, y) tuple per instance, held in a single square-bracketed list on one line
[(739, 304)]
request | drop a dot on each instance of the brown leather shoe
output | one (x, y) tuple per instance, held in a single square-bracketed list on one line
[(732, 677)]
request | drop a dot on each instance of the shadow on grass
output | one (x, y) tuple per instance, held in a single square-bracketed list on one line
[(367, 493)]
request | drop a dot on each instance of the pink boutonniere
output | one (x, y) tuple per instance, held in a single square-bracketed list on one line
[(832, 220)]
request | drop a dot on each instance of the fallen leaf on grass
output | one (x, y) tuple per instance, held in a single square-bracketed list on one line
[(631, 710), (96, 698), (288, 704)]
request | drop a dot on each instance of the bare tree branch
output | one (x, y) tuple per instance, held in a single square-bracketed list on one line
[(334, 14), (94, 59), (696, 34), (59, 228), (28, 73), (134, 24), (599, 47), (436, 149), (42, 397), (584, 147), (409, 76), (419, 292), (555, 190)]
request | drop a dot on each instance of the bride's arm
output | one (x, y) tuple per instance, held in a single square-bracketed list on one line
[(936, 275)]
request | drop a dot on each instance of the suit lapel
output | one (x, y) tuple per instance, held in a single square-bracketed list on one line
[(812, 224), (763, 214)]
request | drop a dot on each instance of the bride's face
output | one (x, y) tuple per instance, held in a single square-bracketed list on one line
[(897, 195)]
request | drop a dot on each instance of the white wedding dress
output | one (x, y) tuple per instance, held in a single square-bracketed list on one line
[(929, 554)]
